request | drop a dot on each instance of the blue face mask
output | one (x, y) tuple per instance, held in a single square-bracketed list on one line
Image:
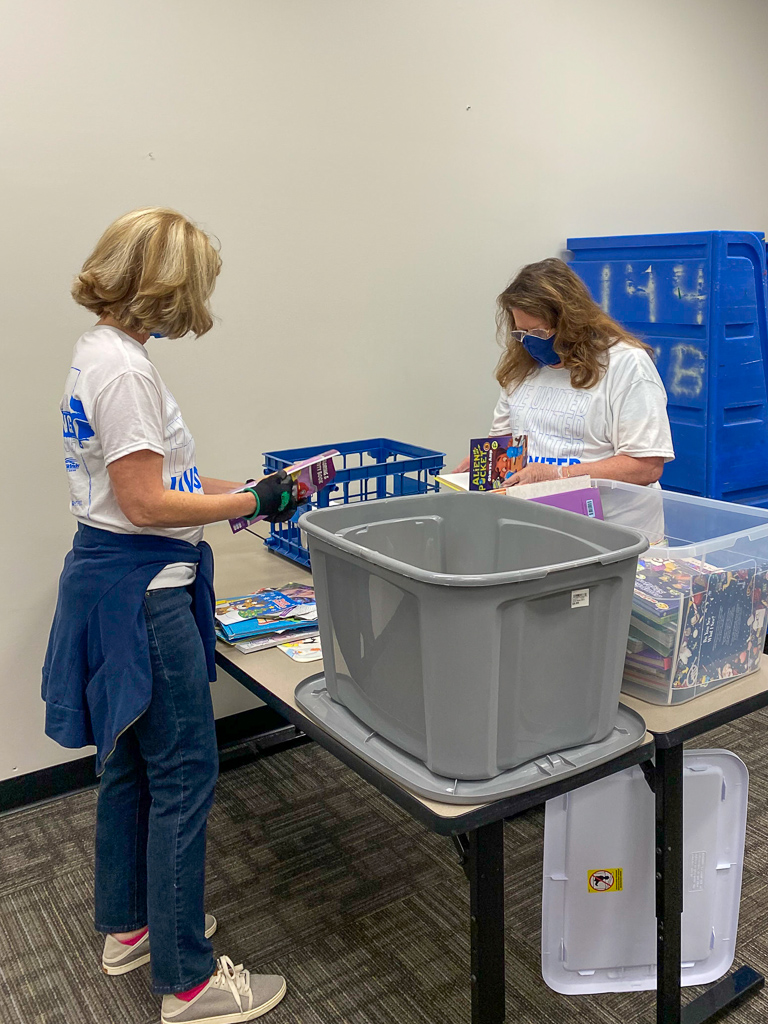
[(541, 349)]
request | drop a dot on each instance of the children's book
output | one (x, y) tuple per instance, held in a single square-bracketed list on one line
[(301, 598), (267, 603), (651, 660), (264, 643), (309, 476), (699, 624), (246, 629), (493, 461), (665, 590), (307, 649), (661, 642), (661, 586), (261, 629), (266, 612), (454, 481), (720, 639)]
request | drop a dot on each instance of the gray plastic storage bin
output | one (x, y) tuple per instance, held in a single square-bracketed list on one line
[(474, 631)]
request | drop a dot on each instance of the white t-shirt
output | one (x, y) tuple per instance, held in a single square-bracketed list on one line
[(115, 403), (625, 413)]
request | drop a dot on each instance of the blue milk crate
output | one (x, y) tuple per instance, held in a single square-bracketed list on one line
[(377, 468), (699, 300)]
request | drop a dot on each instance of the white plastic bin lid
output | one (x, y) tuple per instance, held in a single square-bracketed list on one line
[(598, 931)]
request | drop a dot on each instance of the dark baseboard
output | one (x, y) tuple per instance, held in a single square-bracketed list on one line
[(242, 738)]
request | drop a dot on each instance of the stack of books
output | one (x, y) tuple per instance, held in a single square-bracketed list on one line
[(694, 625), (573, 494), (268, 617)]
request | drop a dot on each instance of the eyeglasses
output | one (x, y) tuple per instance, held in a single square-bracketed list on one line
[(545, 333)]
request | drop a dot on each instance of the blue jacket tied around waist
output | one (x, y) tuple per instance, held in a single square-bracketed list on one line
[(97, 676)]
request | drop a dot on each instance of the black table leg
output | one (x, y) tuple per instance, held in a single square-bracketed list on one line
[(485, 869), (723, 996), (668, 787)]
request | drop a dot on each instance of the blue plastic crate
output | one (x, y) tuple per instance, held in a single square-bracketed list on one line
[(700, 301), (365, 471)]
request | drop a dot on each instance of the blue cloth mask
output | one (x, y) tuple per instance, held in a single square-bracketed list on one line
[(541, 349)]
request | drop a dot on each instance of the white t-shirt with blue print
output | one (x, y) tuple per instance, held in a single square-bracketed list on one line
[(625, 413), (115, 403)]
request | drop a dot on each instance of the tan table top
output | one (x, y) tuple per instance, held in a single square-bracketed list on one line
[(663, 719), (243, 565)]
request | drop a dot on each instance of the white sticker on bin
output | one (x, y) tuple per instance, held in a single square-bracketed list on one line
[(580, 598)]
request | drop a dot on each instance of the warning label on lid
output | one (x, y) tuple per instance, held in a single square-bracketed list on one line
[(606, 880)]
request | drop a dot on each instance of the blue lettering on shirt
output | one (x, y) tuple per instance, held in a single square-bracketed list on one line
[(76, 425), (188, 481), (554, 462)]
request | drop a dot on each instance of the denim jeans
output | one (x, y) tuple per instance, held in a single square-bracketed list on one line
[(156, 791)]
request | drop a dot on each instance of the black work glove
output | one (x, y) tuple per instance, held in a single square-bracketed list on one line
[(275, 496)]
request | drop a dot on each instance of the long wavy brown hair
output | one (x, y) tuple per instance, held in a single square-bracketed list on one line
[(551, 291)]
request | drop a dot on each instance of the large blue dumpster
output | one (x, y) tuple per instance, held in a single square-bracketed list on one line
[(700, 301)]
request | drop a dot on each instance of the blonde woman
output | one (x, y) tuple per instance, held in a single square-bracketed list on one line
[(130, 654), (584, 391)]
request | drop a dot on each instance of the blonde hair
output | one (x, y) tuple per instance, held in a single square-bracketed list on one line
[(152, 271), (551, 291)]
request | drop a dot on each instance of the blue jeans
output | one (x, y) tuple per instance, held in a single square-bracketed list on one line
[(156, 791)]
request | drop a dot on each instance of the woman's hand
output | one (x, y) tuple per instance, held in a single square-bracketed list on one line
[(534, 473), (277, 498), (463, 466)]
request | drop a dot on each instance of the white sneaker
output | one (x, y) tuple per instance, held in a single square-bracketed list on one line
[(119, 958), (232, 996)]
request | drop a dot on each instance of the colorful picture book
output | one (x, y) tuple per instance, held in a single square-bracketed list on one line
[(309, 477), (264, 643), (306, 649), (694, 624), (267, 612), (493, 461)]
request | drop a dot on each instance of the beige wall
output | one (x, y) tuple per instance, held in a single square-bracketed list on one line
[(375, 170)]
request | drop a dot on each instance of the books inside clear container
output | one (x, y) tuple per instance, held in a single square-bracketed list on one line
[(700, 605)]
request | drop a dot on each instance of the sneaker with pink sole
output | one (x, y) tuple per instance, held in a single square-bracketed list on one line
[(232, 996), (120, 958)]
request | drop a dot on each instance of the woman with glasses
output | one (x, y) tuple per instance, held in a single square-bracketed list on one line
[(584, 391)]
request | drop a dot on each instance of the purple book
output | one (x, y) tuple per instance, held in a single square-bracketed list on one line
[(585, 501), (309, 477)]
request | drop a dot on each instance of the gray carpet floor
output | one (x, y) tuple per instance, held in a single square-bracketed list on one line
[(315, 875)]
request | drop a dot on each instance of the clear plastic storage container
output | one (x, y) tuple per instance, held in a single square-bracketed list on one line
[(700, 605), (471, 630)]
